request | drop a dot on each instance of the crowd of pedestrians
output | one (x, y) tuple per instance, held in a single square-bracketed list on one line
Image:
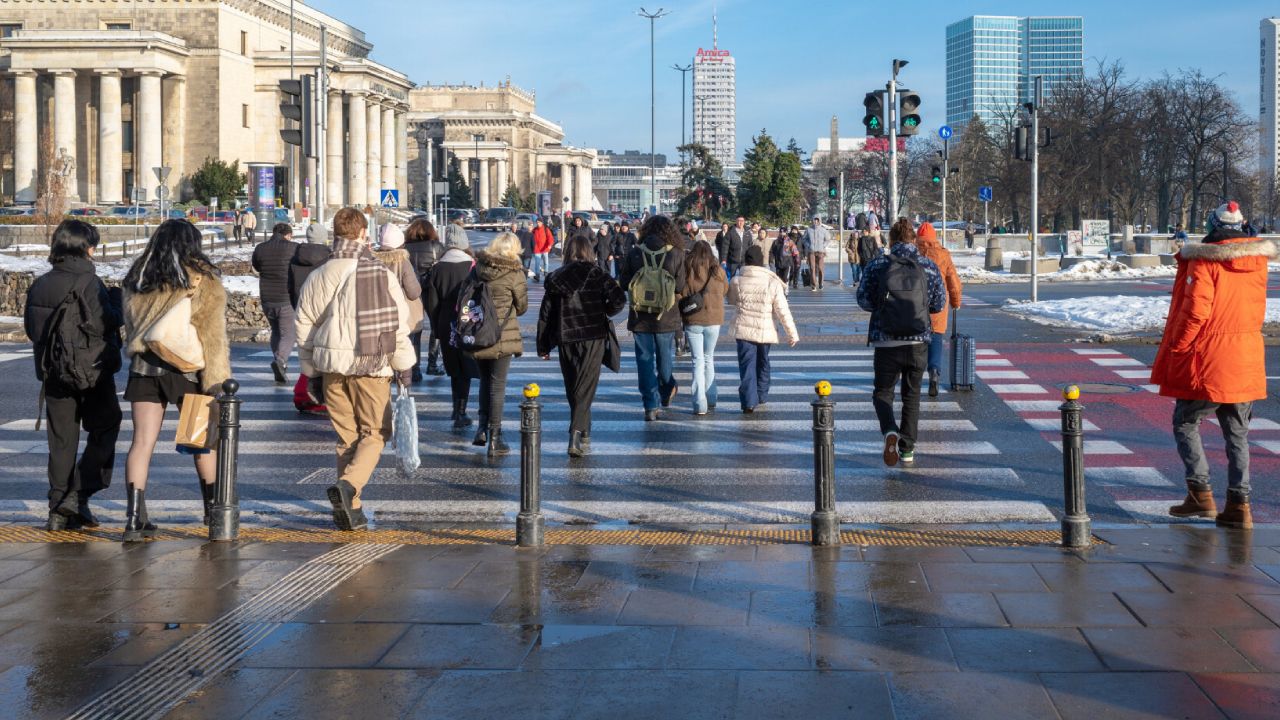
[(358, 311)]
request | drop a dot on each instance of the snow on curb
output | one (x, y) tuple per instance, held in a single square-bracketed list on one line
[(1113, 314), (1089, 270)]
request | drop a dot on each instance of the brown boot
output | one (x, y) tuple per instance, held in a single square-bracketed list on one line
[(1236, 515), (1199, 503)]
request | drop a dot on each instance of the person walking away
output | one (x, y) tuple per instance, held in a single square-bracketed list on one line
[(170, 270), (873, 225), (498, 267), (814, 244), (868, 250), (523, 232), (73, 323), (574, 316), (775, 254), (851, 254), (441, 293), (353, 330), (706, 282), (759, 297), (603, 247), (927, 244), (900, 289), (308, 256), (237, 226), (736, 242), (623, 241), (1211, 359), (543, 241), (423, 245), (969, 231), (250, 221), (654, 276), (392, 252), (271, 261)]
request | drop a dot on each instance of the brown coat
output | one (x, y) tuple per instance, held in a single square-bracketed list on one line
[(397, 261), (208, 316), (509, 288), (712, 312), (929, 247)]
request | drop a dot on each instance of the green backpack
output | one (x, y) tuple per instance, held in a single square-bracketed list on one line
[(653, 289)]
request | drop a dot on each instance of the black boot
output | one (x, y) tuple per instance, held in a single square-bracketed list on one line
[(577, 446), (497, 448), (134, 518), (149, 528), (482, 437), (460, 419), (433, 365), (85, 515), (207, 493), (417, 375), (933, 383)]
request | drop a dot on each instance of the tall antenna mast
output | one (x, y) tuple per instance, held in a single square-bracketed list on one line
[(715, 29)]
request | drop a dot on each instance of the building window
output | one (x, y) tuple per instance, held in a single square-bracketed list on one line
[(244, 115), (118, 26), (126, 136), (244, 43), (8, 29)]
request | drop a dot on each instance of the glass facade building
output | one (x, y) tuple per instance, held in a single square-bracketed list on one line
[(992, 60)]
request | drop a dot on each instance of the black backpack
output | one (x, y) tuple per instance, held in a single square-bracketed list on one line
[(903, 311), (75, 351), (474, 325)]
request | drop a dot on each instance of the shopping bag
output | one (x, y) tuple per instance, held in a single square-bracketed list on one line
[(174, 340), (196, 422), (404, 431)]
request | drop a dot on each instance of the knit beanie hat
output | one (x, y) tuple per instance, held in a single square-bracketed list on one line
[(755, 256), (1227, 216), (456, 237), (392, 237)]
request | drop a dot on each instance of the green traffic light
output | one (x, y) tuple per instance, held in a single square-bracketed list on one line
[(875, 123), (910, 122)]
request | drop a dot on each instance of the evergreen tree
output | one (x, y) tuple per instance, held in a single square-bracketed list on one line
[(755, 184), (217, 179), (520, 201), (704, 191), (459, 192), (786, 195)]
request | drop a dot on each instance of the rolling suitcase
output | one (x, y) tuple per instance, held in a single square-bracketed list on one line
[(806, 276), (964, 359)]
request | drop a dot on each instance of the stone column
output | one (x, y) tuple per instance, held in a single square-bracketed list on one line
[(502, 179), (540, 176), (566, 187), (148, 114), (357, 179), (485, 201), (389, 151), (64, 121), (110, 145), (26, 145), (335, 152), (582, 183), (175, 146), (402, 158), (373, 177)]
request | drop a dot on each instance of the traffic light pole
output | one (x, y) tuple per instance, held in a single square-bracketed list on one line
[(840, 231), (891, 110), (1035, 190), (322, 133), (946, 170)]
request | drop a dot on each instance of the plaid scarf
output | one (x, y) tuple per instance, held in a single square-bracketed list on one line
[(377, 317)]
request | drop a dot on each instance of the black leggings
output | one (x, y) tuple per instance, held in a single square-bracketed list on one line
[(493, 390)]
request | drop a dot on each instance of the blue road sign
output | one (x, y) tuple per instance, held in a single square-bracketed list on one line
[(390, 198), (984, 193), (944, 132)]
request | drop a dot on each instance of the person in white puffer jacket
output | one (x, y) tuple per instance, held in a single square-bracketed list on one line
[(760, 298)]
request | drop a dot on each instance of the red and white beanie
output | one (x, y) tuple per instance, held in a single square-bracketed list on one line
[(1227, 216)]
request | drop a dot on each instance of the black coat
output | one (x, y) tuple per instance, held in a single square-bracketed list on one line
[(271, 260), (669, 321), (604, 248), (622, 244), (308, 257), (867, 250), (423, 255), (526, 243), (736, 245), (580, 298), (441, 297), (103, 307)]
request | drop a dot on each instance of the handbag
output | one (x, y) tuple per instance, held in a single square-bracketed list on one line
[(612, 350), (404, 431), (196, 429), (691, 304), (174, 340)]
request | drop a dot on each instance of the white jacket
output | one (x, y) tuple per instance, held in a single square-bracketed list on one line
[(760, 297), (326, 322)]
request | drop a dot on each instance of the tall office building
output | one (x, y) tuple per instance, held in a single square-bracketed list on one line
[(992, 60), (715, 100), (1269, 97)]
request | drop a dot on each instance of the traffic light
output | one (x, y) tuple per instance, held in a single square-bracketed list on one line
[(1021, 145), (937, 174), (874, 119), (831, 188), (298, 106), (908, 115)]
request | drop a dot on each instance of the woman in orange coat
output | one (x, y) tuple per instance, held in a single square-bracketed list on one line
[(1211, 360), (927, 242)]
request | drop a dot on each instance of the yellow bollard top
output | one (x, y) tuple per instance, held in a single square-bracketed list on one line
[(1071, 392), (532, 390), (823, 388)]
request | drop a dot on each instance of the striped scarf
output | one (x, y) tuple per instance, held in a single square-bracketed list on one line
[(377, 317)]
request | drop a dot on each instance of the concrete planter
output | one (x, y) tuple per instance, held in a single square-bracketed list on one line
[(994, 260), (1168, 259), (1022, 266), (1139, 261)]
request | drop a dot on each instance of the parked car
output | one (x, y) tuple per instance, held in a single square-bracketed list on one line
[(136, 212), (86, 212), (223, 216), (19, 210), (498, 215), (469, 216), (608, 217), (530, 218)]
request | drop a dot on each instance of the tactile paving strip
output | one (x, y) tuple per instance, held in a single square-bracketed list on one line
[(502, 536)]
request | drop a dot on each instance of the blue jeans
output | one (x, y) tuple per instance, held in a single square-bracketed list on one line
[(753, 369), (936, 343), (855, 272), (541, 264), (655, 356), (702, 343)]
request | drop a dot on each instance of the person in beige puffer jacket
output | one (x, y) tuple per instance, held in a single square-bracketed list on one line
[(760, 297)]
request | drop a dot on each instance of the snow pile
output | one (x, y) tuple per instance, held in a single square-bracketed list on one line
[(115, 270), (980, 275), (34, 265), (1112, 314), (1102, 268), (241, 285)]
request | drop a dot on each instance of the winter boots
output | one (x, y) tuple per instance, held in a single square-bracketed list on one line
[(460, 419), (207, 493), (1236, 515), (577, 444), (345, 515), (497, 447), (137, 526), (1199, 503)]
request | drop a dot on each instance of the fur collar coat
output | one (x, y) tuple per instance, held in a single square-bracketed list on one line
[(208, 316)]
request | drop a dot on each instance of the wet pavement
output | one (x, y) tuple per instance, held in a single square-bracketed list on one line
[(1158, 622)]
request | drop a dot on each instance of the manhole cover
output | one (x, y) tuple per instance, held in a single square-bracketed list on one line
[(1103, 388)]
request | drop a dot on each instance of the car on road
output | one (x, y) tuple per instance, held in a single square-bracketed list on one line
[(498, 216), (223, 216), (468, 216), (608, 217), (527, 218), (19, 210), (136, 212), (87, 212)]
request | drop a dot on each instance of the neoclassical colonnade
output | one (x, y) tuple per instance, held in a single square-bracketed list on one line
[(374, 156)]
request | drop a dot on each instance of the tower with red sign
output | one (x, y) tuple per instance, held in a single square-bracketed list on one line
[(715, 105)]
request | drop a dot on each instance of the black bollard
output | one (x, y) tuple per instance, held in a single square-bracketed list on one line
[(1075, 520), (224, 520), (529, 523), (825, 521)]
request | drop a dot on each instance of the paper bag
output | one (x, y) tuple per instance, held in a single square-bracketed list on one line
[(196, 424)]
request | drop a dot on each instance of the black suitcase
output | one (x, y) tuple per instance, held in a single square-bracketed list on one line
[(964, 359), (806, 276)]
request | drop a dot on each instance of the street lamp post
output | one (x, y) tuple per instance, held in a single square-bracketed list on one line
[(653, 145), (684, 74), (476, 188)]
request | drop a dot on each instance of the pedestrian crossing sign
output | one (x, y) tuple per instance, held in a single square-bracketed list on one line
[(390, 198)]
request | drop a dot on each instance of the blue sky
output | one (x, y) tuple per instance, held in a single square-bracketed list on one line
[(798, 61)]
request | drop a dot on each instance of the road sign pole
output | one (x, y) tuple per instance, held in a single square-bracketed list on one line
[(892, 122), (1035, 191), (946, 170)]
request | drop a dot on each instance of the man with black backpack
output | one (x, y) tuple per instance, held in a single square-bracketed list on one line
[(653, 274), (900, 289), (74, 323)]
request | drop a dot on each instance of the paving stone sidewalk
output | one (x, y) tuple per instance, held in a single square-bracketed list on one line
[(1160, 622)]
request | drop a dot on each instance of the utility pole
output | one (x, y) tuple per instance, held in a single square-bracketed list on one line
[(892, 122), (840, 229), (1034, 148), (946, 170), (322, 135), (294, 183), (684, 74), (653, 90)]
